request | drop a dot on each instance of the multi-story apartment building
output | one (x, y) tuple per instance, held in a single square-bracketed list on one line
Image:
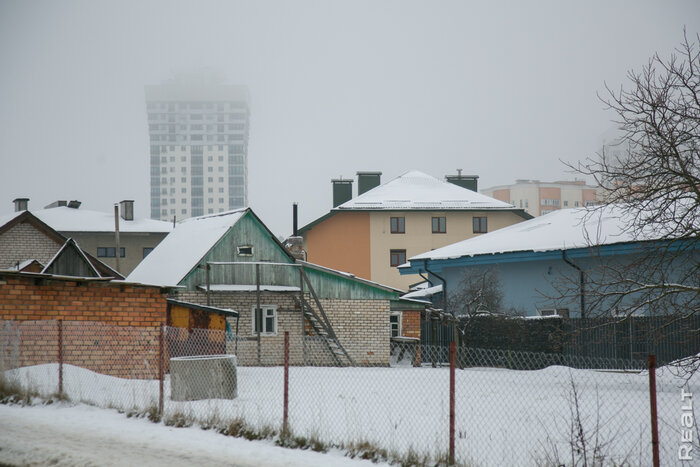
[(538, 198), (372, 234), (198, 131)]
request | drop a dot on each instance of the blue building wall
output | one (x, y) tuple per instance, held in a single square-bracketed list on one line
[(532, 281)]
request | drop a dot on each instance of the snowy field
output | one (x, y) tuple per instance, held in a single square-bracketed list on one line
[(503, 417)]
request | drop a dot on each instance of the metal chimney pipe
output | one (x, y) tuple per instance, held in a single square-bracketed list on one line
[(116, 235), (295, 230)]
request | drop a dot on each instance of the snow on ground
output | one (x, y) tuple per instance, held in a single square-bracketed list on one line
[(503, 417), (63, 435)]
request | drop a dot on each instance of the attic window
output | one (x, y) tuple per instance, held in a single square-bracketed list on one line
[(245, 250)]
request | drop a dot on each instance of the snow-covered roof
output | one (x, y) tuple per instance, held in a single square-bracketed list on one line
[(23, 264), (183, 248), (424, 292), (420, 191), (9, 217), (560, 230), (65, 219)]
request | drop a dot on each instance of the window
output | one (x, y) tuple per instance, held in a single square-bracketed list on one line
[(183, 190), (245, 250), (550, 202), (480, 225), (395, 322), (146, 251), (183, 179), (566, 203), (265, 320), (547, 211), (439, 225), (397, 257), (210, 190), (184, 211), (109, 252), (398, 225), (589, 203)]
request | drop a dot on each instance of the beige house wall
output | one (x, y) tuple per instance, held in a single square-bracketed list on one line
[(418, 237), (526, 197), (133, 244)]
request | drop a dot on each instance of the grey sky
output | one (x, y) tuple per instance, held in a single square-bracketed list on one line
[(500, 89)]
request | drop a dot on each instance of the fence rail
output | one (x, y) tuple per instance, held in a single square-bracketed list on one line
[(668, 337), (480, 407)]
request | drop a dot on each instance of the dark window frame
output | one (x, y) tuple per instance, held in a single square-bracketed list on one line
[(480, 224), (439, 224), (110, 252), (397, 257), (397, 225)]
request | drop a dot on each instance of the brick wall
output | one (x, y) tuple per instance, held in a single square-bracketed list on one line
[(24, 241), (108, 327), (410, 323), (362, 327)]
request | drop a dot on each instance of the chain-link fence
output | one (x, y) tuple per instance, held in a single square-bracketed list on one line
[(505, 407)]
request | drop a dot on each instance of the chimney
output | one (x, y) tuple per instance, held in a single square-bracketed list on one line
[(368, 180), (465, 181), (295, 218), (21, 204), (56, 204), (342, 191), (127, 209), (74, 204)]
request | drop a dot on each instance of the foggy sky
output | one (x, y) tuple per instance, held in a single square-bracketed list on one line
[(502, 90)]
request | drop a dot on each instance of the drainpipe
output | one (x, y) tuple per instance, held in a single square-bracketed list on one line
[(444, 284), (581, 280), (444, 299)]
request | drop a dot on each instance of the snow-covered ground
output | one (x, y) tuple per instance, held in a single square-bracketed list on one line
[(503, 417), (64, 435)]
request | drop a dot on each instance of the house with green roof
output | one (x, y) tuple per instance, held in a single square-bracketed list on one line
[(232, 261)]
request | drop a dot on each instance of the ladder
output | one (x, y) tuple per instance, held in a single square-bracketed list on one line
[(322, 328)]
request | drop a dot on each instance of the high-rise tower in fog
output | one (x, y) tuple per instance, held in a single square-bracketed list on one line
[(198, 130)]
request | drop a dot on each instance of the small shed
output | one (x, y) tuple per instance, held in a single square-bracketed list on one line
[(196, 329)]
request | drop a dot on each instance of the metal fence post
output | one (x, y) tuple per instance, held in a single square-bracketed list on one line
[(60, 356), (161, 373), (452, 403), (654, 419), (285, 416)]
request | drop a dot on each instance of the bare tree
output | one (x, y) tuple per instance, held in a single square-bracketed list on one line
[(652, 175), (479, 293)]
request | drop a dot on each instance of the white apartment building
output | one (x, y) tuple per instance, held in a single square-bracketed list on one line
[(538, 198), (198, 131)]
